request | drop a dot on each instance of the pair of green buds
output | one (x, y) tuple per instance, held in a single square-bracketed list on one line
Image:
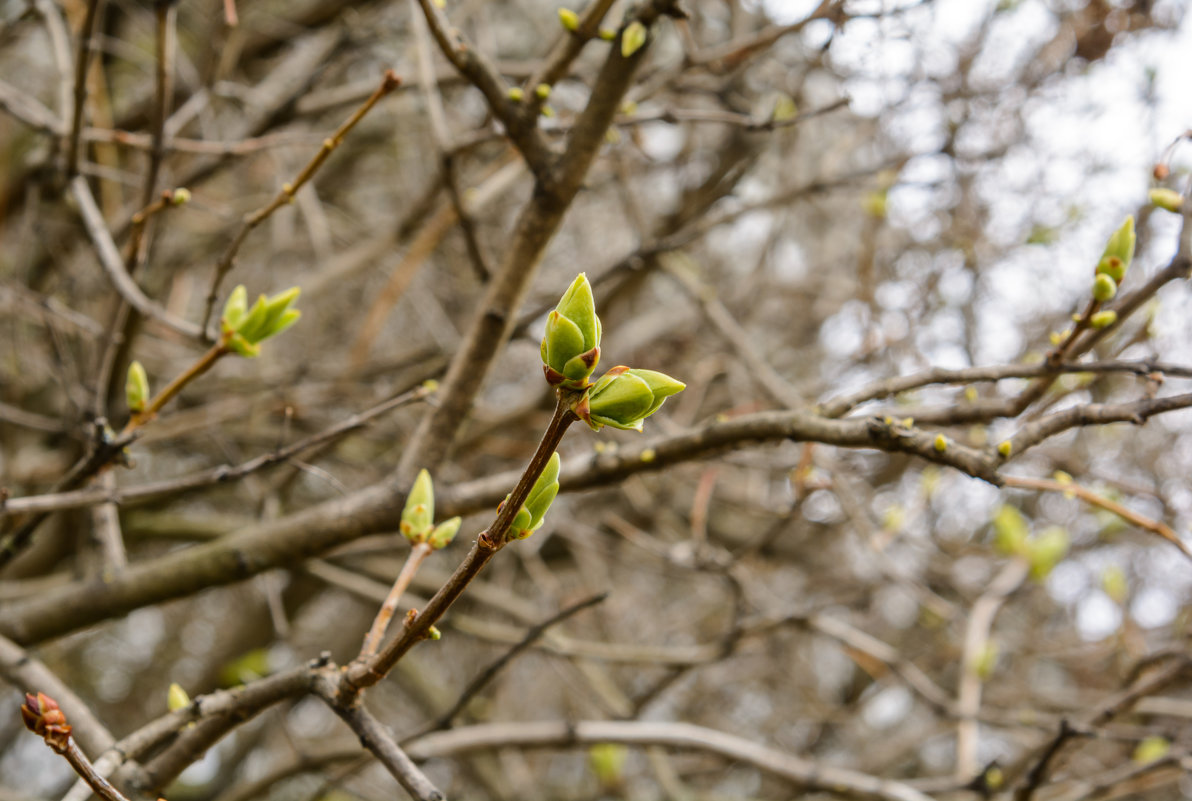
[(244, 329), (624, 396), (418, 516)]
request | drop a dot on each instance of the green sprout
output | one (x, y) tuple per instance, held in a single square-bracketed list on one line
[(245, 328)]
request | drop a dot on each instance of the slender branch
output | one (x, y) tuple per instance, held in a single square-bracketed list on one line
[(82, 63), (1089, 496), (376, 632), (379, 740), (1136, 412), (474, 66), (548, 734), (364, 673), (217, 475), (113, 264), (389, 82), (486, 676)]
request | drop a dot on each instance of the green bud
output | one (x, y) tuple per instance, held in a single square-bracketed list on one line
[(1046, 551), (1113, 582), (136, 388), (569, 19), (1104, 288), (1168, 199), (434, 634), (1005, 448), (1009, 530), (985, 660), (607, 34), (571, 345), (444, 533), (1103, 319), (1119, 252), (419, 511), (530, 517), (515, 94), (235, 308), (624, 397), (542, 90), (1151, 749), (632, 38), (784, 109), (268, 317), (176, 697), (181, 196), (546, 110), (941, 443)]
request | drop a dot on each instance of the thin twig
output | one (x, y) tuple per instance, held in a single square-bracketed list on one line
[(489, 673), (389, 82), (1085, 494), (376, 632), (82, 62)]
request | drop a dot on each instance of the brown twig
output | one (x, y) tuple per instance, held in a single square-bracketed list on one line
[(376, 632), (389, 82), (82, 63), (1156, 527)]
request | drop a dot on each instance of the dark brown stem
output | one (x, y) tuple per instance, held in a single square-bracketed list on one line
[(367, 673)]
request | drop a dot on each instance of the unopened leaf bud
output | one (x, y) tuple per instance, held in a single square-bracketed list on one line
[(542, 90), (136, 388), (515, 94), (1167, 199), (176, 697), (433, 633), (1119, 251), (632, 38), (569, 19), (530, 517), (419, 511), (607, 34), (1005, 448), (1046, 551), (180, 196), (571, 345), (444, 533), (624, 397), (1104, 288), (941, 443), (1103, 319)]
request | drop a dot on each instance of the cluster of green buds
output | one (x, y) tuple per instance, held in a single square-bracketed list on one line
[(621, 398), (244, 328), (530, 516), (417, 518)]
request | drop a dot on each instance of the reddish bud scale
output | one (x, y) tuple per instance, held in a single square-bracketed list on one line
[(43, 717)]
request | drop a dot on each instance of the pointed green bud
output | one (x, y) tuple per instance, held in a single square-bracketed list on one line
[(941, 443), (569, 19), (542, 90), (530, 517), (419, 511), (1104, 288), (136, 388), (235, 308), (624, 397), (1005, 448), (515, 94), (176, 697), (1103, 319), (444, 533), (1119, 252), (632, 38), (434, 634), (571, 345), (607, 34), (1168, 199)]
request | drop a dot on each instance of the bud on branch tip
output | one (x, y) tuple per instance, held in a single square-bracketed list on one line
[(571, 345), (245, 328), (625, 396)]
